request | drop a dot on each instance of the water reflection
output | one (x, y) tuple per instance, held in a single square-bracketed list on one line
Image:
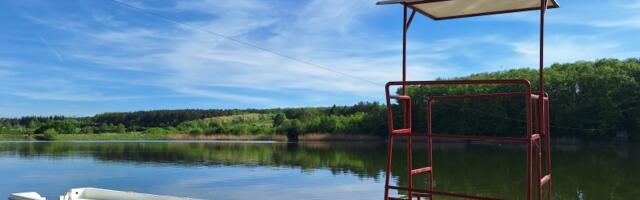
[(580, 171)]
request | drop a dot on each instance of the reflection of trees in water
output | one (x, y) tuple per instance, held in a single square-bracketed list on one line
[(599, 172), (364, 160)]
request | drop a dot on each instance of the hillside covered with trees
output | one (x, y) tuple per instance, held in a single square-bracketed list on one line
[(587, 99), (598, 99)]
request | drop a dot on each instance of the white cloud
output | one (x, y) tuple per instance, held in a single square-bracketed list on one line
[(622, 22), (224, 96), (55, 89), (561, 49), (65, 96), (5, 68), (232, 18), (198, 61)]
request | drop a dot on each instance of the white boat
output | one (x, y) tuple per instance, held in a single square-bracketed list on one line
[(26, 196), (96, 194)]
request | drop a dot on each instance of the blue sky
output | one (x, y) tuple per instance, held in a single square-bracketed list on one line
[(82, 57)]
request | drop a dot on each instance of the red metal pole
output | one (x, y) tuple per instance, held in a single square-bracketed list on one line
[(529, 133), (407, 106), (388, 170), (540, 111), (543, 10), (404, 49), (539, 162), (390, 145), (529, 170), (430, 139), (548, 147), (406, 113), (410, 164), (541, 107)]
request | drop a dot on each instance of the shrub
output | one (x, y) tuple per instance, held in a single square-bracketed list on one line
[(279, 119), (87, 130), (196, 131), (121, 129), (50, 134)]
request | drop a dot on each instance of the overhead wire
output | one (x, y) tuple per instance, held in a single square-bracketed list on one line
[(245, 43)]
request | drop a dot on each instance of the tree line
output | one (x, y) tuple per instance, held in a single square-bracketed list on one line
[(599, 99)]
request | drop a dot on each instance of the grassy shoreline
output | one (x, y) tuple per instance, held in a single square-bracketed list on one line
[(181, 137)]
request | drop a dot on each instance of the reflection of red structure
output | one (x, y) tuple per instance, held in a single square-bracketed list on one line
[(536, 103)]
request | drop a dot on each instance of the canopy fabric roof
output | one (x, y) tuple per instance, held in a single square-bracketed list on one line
[(450, 9)]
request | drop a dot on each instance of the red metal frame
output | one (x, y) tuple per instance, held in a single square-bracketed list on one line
[(533, 138)]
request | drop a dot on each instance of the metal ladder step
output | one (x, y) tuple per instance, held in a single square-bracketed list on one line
[(545, 180), (535, 137), (421, 170), (401, 131)]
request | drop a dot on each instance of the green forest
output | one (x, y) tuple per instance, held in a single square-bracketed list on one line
[(598, 99)]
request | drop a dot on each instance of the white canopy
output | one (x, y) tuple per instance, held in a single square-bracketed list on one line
[(449, 9)]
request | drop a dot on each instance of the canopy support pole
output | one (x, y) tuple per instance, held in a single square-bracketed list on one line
[(413, 13), (405, 27), (542, 129), (543, 113), (404, 48)]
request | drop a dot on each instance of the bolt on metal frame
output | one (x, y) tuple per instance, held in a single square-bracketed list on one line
[(533, 138)]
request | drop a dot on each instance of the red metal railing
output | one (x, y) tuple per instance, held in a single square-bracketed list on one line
[(532, 138)]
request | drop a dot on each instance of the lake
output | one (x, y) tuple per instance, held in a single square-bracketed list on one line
[(318, 170)]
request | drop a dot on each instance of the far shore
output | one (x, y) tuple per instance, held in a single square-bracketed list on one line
[(309, 137), (181, 137)]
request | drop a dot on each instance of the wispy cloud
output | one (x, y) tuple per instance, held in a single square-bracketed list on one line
[(64, 96), (5, 68), (199, 59), (56, 90), (622, 22), (559, 49), (224, 96), (4, 72)]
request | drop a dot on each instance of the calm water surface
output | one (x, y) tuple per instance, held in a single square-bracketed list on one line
[(259, 170)]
